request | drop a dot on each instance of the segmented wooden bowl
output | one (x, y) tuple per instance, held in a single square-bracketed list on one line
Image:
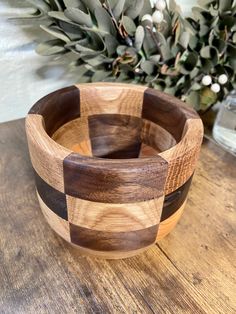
[(113, 164)]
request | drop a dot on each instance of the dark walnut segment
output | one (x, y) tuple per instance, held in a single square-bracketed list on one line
[(114, 182), (175, 200), (113, 241), (58, 108), (55, 200), (115, 136), (166, 111)]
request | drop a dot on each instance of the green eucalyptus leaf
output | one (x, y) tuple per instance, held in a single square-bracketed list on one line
[(78, 16), (50, 47), (134, 9), (56, 32), (129, 25), (146, 9), (56, 5), (121, 50), (104, 21), (72, 3), (100, 76), (231, 49), (225, 5), (148, 67), (139, 37), (219, 44), (174, 7), (170, 90), (227, 22), (60, 16), (193, 99), (204, 29), (193, 41), (184, 39), (234, 38), (92, 4), (111, 44), (207, 66), (118, 8), (155, 59), (211, 53)]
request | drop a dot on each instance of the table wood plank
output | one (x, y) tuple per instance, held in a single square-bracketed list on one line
[(190, 271)]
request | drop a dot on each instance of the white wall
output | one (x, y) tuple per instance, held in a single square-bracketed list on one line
[(24, 76)]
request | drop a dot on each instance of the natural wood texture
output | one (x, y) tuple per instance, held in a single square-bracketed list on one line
[(60, 225), (45, 154), (182, 157), (74, 135), (117, 183), (192, 270), (54, 199), (58, 108), (107, 123), (155, 136), (115, 136), (105, 98), (114, 217), (168, 224), (166, 111)]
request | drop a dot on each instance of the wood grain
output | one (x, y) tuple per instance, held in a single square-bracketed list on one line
[(190, 271), (115, 136), (114, 217), (74, 135), (114, 182), (166, 111), (58, 108), (105, 98), (182, 158), (46, 155), (113, 241), (54, 199), (58, 224)]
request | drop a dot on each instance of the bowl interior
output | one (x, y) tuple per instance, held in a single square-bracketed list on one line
[(114, 136), (115, 121)]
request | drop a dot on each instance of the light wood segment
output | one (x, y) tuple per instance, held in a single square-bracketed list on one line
[(83, 148), (182, 157), (46, 155), (147, 151), (114, 217), (155, 136), (74, 135), (98, 98), (168, 224), (59, 225)]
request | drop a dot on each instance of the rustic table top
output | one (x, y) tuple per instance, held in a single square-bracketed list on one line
[(190, 271)]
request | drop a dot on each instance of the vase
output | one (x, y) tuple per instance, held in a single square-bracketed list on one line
[(224, 130), (113, 164)]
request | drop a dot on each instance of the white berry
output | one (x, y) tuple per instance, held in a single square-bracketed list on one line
[(157, 17), (206, 80), (223, 79), (147, 17), (215, 88), (160, 5)]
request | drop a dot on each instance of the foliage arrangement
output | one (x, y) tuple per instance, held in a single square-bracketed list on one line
[(146, 42)]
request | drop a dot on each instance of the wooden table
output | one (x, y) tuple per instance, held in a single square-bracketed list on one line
[(191, 271)]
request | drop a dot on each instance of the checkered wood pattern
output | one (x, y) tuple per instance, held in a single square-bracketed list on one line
[(113, 164)]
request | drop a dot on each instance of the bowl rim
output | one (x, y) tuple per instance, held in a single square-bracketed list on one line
[(94, 161)]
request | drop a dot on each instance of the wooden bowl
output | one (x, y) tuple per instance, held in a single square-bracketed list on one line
[(113, 164)]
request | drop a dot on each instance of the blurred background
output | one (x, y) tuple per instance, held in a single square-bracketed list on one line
[(25, 76)]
